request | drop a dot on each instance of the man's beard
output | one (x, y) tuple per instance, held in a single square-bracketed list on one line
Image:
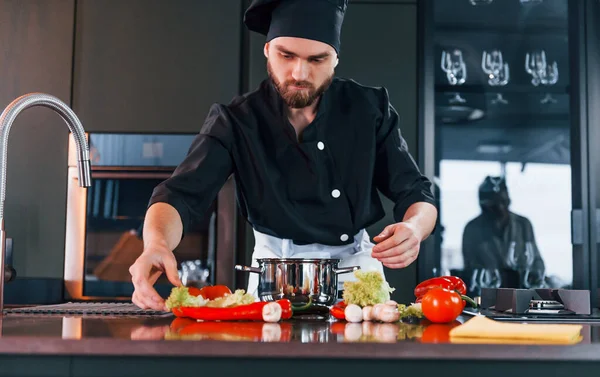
[(298, 99)]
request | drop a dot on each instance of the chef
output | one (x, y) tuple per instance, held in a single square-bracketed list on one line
[(499, 239), (309, 152)]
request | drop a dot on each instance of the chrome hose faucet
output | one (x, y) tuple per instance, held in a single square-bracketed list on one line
[(6, 120)]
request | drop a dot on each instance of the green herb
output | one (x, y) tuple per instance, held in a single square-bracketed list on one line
[(411, 311)]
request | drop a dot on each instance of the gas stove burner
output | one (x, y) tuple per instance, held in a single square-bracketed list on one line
[(547, 307), (536, 301)]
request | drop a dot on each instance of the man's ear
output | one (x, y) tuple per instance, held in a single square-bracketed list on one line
[(337, 61), (266, 50)]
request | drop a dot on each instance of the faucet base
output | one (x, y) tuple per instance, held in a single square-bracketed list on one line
[(2, 261)]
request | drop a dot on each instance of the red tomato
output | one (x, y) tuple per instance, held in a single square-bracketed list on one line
[(441, 305), (438, 332), (194, 291), (210, 292)]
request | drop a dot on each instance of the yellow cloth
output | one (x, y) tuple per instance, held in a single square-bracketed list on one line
[(480, 329)]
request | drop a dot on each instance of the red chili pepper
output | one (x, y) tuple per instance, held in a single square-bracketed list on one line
[(286, 308), (286, 331), (181, 323), (242, 330), (337, 310), (177, 311), (452, 283), (248, 312), (338, 328)]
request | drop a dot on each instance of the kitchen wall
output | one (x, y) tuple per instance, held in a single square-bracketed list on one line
[(156, 66)]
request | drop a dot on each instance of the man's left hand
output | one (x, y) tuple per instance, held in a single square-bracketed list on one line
[(398, 245)]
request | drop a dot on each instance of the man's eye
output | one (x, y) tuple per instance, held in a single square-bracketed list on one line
[(287, 57), (316, 60)]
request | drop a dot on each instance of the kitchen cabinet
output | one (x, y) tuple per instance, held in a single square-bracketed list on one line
[(379, 48), (154, 66), (37, 43), (508, 142)]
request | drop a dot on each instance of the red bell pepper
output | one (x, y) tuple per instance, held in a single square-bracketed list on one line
[(451, 283)]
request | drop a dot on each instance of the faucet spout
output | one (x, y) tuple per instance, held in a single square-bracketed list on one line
[(7, 118)]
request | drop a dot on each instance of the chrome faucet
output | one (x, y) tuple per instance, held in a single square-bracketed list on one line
[(6, 120)]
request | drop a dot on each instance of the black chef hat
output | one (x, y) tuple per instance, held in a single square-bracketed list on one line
[(493, 190), (319, 20)]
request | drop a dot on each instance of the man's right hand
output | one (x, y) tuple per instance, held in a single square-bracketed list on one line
[(144, 273)]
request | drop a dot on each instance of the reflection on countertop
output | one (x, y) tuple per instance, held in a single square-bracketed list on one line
[(172, 328), (301, 337)]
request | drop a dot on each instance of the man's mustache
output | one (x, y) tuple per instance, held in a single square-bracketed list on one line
[(300, 84)]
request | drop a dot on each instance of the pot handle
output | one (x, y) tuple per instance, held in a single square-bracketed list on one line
[(255, 270), (345, 270)]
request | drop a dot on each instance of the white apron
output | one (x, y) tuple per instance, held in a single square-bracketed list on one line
[(357, 253)]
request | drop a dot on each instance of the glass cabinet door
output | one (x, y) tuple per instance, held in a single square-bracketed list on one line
[(502, 126)]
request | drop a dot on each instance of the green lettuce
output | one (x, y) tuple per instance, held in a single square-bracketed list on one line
[(180, 296), (239, 297), (370, 289)]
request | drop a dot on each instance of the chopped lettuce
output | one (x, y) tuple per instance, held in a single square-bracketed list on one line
[(408, 331), (414, 310), (181, 297), (239, 297), (370, 289)]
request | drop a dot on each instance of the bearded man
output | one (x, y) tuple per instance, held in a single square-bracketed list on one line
[(309, 152)]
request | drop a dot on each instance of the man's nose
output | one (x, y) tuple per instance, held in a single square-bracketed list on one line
[(300, 71)]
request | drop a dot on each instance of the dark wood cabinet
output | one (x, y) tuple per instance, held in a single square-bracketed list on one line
[(37, 42), (157, 66), (379, 48), (154, 65)]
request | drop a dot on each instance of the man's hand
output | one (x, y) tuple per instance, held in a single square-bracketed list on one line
[(144, 273), (398, 245)]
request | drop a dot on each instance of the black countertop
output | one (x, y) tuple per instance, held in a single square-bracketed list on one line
[(168, 336)]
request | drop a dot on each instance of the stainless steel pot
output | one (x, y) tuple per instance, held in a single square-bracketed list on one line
[(299, 280)]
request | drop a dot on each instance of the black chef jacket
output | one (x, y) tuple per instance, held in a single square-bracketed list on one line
[(486, 247), (321, 189)]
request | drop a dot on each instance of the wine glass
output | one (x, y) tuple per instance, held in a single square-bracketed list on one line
[(535, 65), (497, 70), (456, 71), (550, 77)]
